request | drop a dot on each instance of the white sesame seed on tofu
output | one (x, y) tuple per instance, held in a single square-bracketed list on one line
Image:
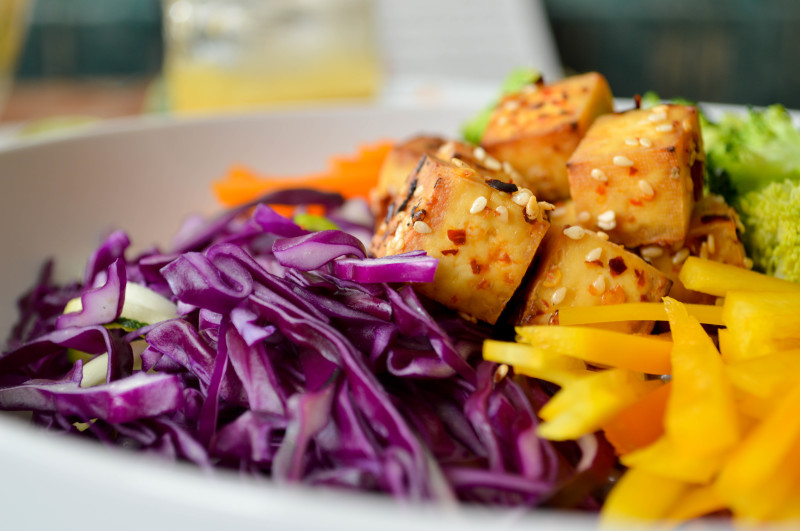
[(500, 373), (559, 295), (575, 232), (479, 153), (657, 117), (622, 161), (712, 245), (521, 196), (594, 254), (646, 142), (598, 175), (502, 211), (492, 163), (646, 188), (608, 215), (681, 256), (532, 208), (547, 207), (664, 128), (602, 235), (478, 205), (422, 227), (458, 162), (675, 173), (651, 251), (584, 216), (631, 142), (599, 284)]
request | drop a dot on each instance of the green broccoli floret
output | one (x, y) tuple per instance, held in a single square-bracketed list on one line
[(747, 152), (473, 129), (754, 161), (772, 235)]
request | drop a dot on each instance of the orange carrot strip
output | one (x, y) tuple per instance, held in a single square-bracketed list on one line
[(352, 176), (640, 424)]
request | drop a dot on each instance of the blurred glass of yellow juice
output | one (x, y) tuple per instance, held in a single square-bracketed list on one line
[(234, 54), (13, 25)]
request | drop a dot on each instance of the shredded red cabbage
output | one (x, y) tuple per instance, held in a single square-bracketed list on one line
[(294, 356)]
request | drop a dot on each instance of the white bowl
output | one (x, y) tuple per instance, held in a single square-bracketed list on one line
[(58, 198)]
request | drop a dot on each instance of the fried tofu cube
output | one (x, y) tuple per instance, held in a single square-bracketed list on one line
[(577, 267), (404, 158), (713, 234), (638, 174), (484, 232), (538, 128)]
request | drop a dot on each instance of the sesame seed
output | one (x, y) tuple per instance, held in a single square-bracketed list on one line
[(576, 232), (675, 174), (511, 105), (594, 254), (508, 168), (660, 108), (631, 142), (657, 117), (651, 251), (559, 211), (607, 225), (447, 150), (584, 216), (664, 128), (681, 256), (703, 251), (521, 196), (532, 208), (500, 373), (479, 153), (547, 207), (598, 175), (687, 125), (748, 263), (531, 88), (646, 188), (478, 205), (502, 120), (599, 284), (502, 211), (646, 142), (621, 160), (458, 162), (602, 235), (422, 227), (712, 244), (492, 163), (608, 215), (559, 295)]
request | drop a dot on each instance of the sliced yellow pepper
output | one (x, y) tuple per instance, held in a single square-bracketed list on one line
[(767, 376), (647, 354), (763, 474), (640, 496), (701, 414), (634, 311), (716, 278), (586, 404), (760, 324), (535, 362), (666, 459)]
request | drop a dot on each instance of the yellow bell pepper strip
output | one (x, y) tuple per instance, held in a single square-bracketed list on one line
[(586, 404), (701, 414), (640, 496), (648, 354), (634, 311), (667, 459), (716, 278), (763, 474), (696, 501), (639, 424), (535, 362), (768, 376), (761, 323)]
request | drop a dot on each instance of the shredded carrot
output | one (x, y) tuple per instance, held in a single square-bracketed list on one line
[(352, 176), (639, 424)]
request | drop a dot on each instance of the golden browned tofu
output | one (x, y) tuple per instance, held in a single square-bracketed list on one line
[(563, 215), (538, 128), (638, 174), (484, 232), (404, 157), (576, 267), (712, 234)]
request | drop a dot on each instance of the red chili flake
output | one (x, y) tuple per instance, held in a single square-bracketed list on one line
[(601, 189), (448, 252), (483, 283), (457, 236), (640, 279), (617, 266), (615, 295), (632, 171), (635, 202), (476, 267)]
